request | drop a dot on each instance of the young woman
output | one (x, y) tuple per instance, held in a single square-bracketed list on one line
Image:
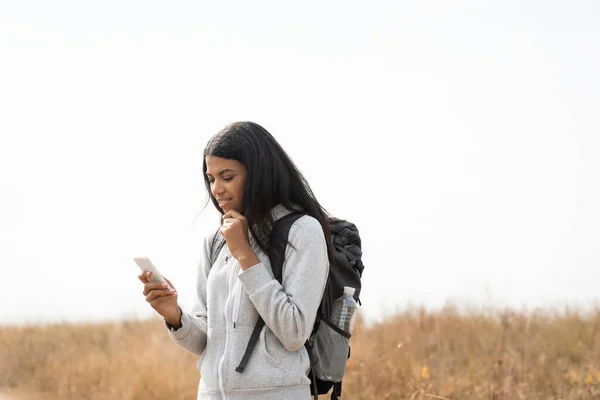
[(253, 183)]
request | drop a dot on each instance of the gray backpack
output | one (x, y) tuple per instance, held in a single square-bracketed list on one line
[(328, 346)]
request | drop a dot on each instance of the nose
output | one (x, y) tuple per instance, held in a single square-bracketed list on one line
[(217, 188)]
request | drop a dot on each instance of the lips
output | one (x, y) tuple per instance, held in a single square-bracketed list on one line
[(223, 202)]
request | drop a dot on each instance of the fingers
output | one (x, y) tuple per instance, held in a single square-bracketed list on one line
[(144, 277), (232, 214), (227, 226), (155, 294), (231, 219), (228, 214), (150, 286), (228, 222), (169, 282), (160, 294)]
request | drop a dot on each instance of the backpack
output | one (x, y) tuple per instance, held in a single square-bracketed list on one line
[(328, 347)]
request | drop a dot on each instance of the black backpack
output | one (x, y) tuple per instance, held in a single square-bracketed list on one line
[(328, 346)]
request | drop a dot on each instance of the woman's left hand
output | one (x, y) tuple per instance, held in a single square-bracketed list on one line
[(235, 231)]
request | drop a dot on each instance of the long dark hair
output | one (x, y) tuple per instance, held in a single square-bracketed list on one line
[(272, 179)]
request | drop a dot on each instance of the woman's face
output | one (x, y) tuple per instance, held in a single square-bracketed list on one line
[(227, 182)]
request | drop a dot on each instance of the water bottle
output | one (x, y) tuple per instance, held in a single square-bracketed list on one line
[(344, 310)]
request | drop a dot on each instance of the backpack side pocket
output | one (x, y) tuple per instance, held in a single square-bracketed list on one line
[(331, 347)]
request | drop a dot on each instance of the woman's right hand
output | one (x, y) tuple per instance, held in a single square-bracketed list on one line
[(162, 298)]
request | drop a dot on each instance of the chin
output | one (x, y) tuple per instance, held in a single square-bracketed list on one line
[(228, 207)]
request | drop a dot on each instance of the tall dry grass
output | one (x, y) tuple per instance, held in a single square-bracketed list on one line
[(414, 355)]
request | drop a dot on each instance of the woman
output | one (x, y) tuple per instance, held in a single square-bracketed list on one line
[(253, 183)]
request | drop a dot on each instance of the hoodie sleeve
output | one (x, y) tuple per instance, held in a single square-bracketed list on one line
[(193, 331), (289, 309)]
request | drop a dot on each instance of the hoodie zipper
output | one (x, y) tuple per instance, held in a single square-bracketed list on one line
[(229, 266), (236, 289), (238, 300)]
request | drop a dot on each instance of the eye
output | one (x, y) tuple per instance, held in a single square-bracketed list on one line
[(211, 180), (227, 178)]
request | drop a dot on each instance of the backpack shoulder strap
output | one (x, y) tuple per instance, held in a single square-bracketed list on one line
[(217, 242), (278, 240)]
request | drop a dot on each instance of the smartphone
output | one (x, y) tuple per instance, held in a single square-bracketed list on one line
[(146, 265)]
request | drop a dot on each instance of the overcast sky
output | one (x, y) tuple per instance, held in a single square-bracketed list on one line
[(461, 137)]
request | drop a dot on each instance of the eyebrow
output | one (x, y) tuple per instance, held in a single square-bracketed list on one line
[(222, 172)]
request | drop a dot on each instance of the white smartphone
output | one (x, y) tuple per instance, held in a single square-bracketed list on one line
[(146, 265)]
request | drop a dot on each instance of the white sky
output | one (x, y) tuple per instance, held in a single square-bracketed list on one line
[(461, 137)]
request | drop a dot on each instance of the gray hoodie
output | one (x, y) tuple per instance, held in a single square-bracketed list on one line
[(229, 302)]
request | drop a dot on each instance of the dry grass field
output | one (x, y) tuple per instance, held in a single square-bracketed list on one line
[(414, 355)]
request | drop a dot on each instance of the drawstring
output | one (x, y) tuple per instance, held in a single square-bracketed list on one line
[(238, 300)]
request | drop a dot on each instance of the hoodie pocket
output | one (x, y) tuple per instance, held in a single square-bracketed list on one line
[(291, 365), (269, 350), (199, 363), (208, 361), (264, 369)]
